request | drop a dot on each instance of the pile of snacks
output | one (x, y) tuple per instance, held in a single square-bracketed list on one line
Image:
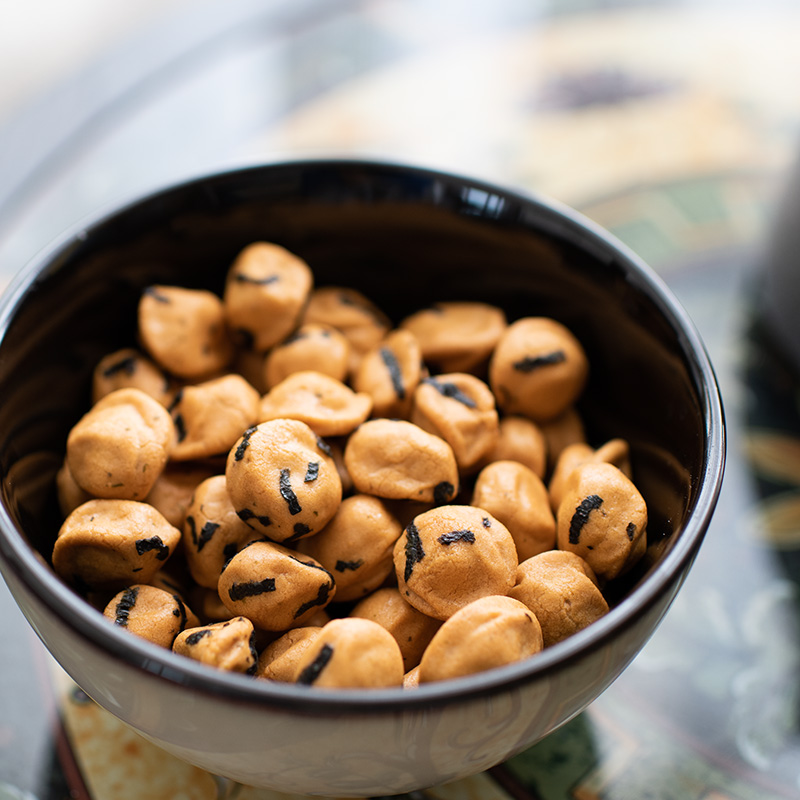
[(279, 483)]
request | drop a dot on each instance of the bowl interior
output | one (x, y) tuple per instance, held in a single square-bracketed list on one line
[(407, 239)]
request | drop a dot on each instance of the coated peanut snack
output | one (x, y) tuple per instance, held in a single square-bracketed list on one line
[(286, 483)]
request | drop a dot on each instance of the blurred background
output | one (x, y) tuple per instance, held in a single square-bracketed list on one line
[(673, 123)]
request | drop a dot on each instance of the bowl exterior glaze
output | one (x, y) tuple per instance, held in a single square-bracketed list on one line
[(340, 754), (407, 238)]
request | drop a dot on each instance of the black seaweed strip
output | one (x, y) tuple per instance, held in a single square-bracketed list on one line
[(251, 670), (300, 530), (151, 291), (228, 552), (193, 638), (180, 612), (206, 532), (530, 363), (581, 516), (180, 427), (176, 400), (192, 528), (395, 373), (294, 337), (312, 472), (631, 530), (452, 391), (442, 492), (414, 551), (456, 536), (324, 446), (243, 445), (153, 543), (126, 365), (352, 566), (125, 606), (287, 493), (314, 669), (319, 600), (239, 591), (240, 277)]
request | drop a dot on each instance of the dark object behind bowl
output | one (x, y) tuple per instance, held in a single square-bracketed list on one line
[(407, 240)]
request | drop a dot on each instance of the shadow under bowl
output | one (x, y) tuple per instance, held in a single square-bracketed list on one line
[(406, 238)]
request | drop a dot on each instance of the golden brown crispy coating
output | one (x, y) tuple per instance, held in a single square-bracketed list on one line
[(312, 347), (602, 518), (460, 409), (227, 645), (452, 555), (516, 496), (351, 653), (490, 632), (151, 613), (121, 445), (538, 369), (276, 588), (411, 629), (561, 593), (184, 331), (329, 407), (356, 546), (281, 480), (266, 289), (111, 544), (397, 460), (456, 336)]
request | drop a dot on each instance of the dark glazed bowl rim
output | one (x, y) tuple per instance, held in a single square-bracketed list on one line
[(84, 621)]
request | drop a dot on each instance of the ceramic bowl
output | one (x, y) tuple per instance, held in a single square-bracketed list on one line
[(406, 237)]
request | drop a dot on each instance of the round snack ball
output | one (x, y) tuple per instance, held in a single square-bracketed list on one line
[(278, 661), (184, 331), (274, 587), (411, 678), (111, 544), (615, 451), (390, 373), (603, 519), (456, 336), (411, 629), (209, 417), (520, 439), (356, 546), (516, 496), (282, 480), (460, 409), (562, 595), (351, 653), (172, 492), (265, 291), (130, 369), (488, 633), (151, 613), (449, 556), (228, 645), (559, 433), (538, 369), (69, 494), (212, 532), (120, 446), (327, 406), (361, 322), (397, 460), (314, 347)]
